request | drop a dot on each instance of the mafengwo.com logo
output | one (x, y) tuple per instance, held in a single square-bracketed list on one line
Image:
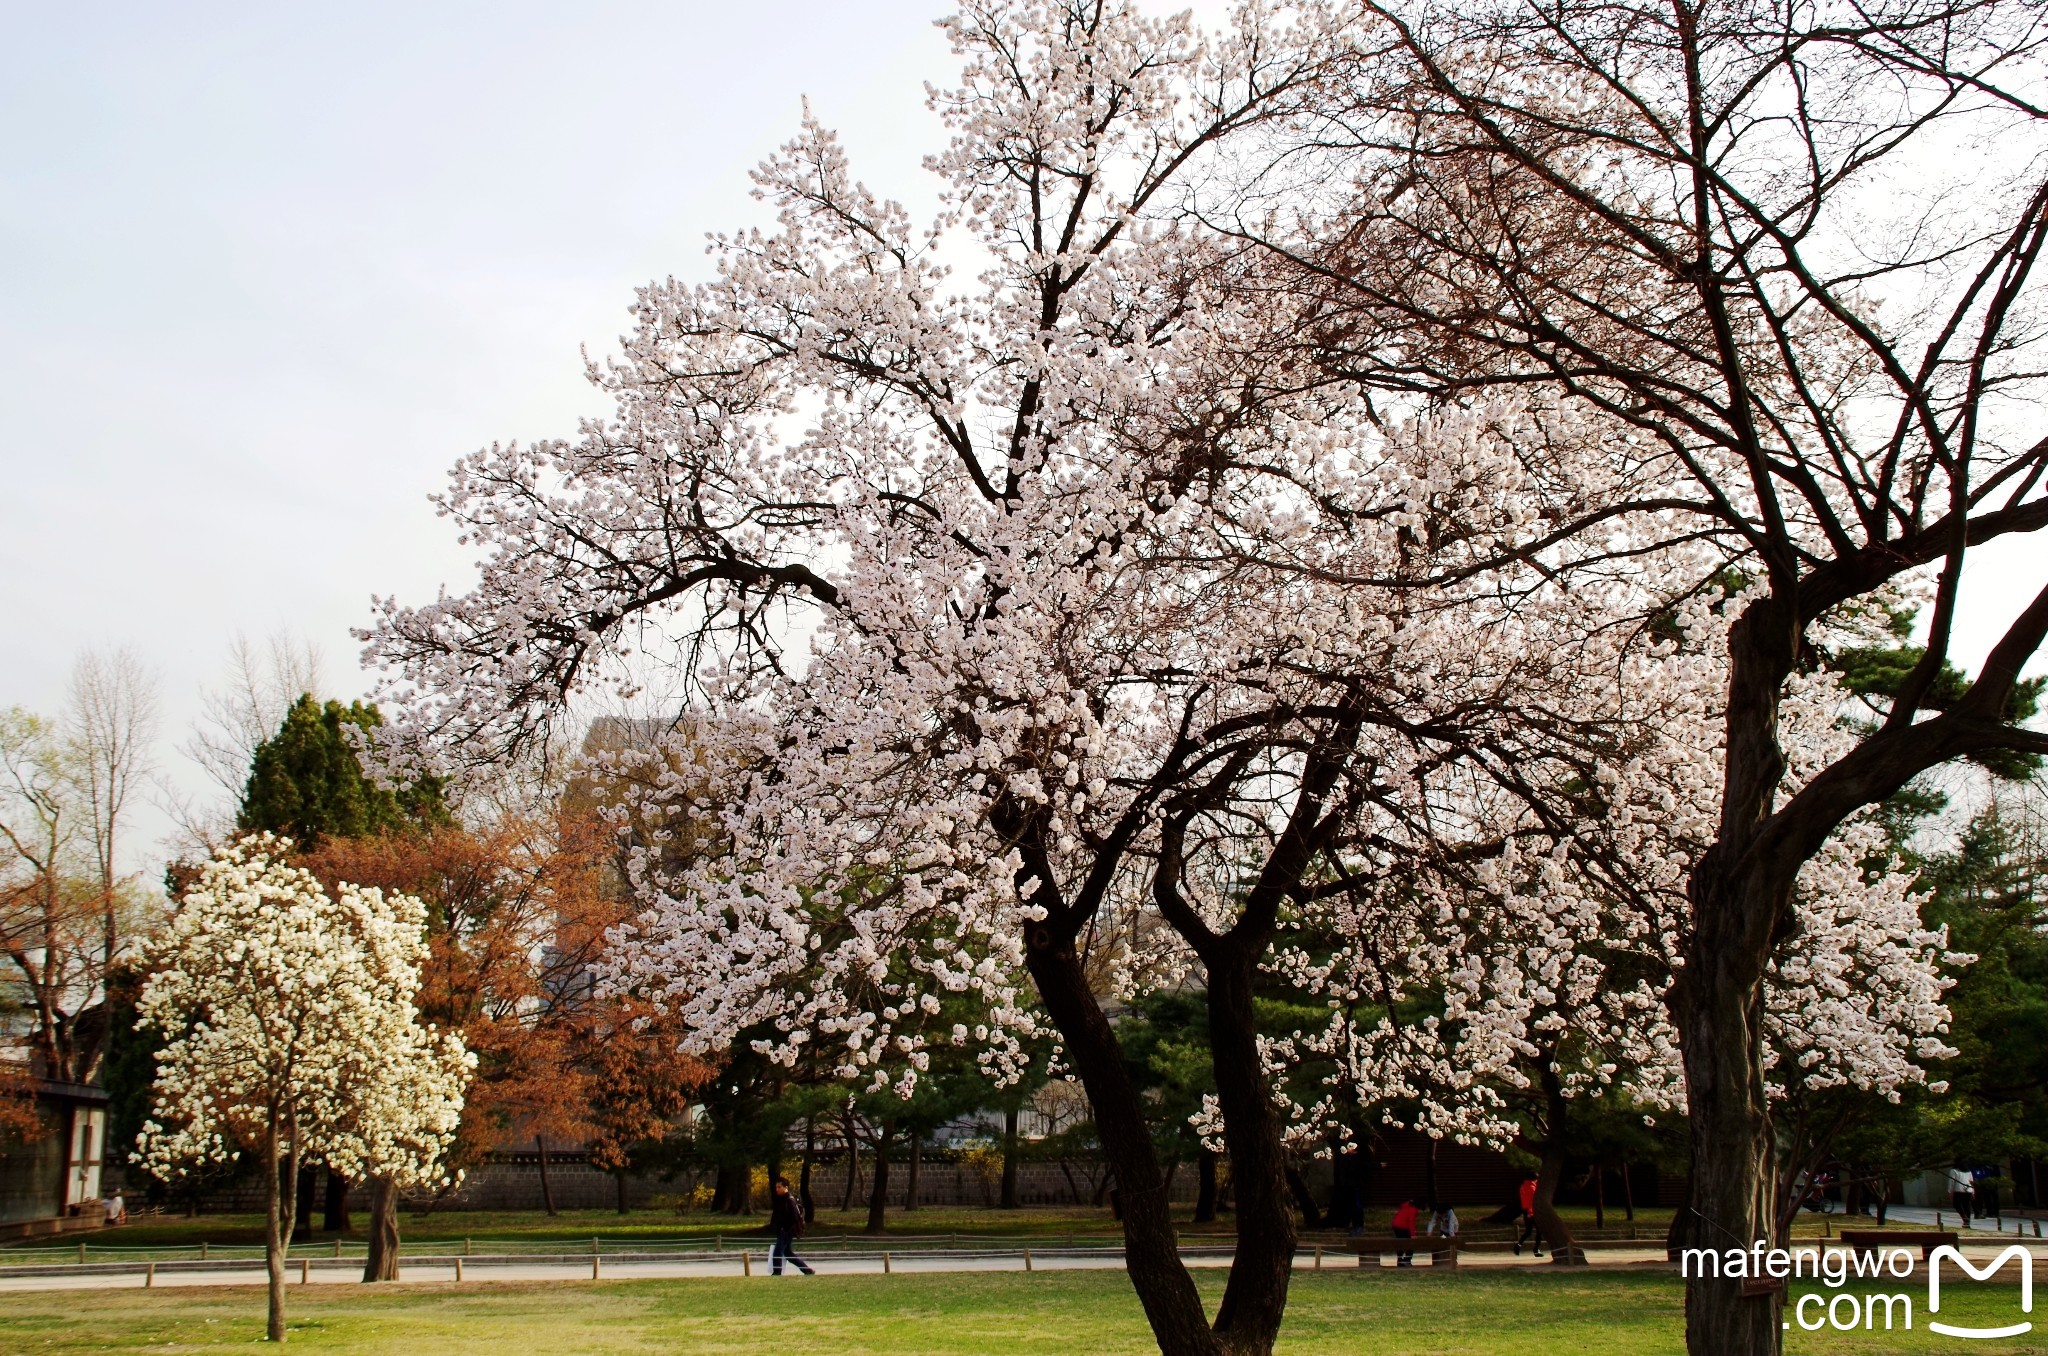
[(1846, 1311), (1990, 1269)]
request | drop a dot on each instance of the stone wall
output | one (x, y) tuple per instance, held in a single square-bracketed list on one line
[(512, 1182), (515, 1184), (1401, 1166)]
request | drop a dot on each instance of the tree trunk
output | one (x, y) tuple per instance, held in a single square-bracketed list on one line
[(619, 1178), (1205, 1187), (302, 1208), (547, 1190), (1010, 1117), (721, 1189), (1628, 1195), (1255, 1296), (1311, 1218), (1151, 1247), (1599, 1196), (1683, 1231), (847, 1132), (380, 1263), (1550, 1226), (739, 1191), (1718, 1008), (912, 1181), (336, 1205), (1740, 902), (878, 1190), (1073, 1187), (277, 1208), (803, 1177)]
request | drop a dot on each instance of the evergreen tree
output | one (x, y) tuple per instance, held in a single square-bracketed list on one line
[(305, 782)]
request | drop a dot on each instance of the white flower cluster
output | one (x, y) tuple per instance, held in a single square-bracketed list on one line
[(1530, 943), (288, 1012)]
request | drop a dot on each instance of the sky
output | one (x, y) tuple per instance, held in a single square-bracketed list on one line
[(266, 271)]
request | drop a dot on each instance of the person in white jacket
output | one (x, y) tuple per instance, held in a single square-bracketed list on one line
[(1962, 1192)]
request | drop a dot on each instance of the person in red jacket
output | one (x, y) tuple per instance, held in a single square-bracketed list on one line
[(1404, 1227), (1529, 1218)]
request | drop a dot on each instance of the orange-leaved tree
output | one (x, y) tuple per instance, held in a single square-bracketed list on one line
[(518, 911)]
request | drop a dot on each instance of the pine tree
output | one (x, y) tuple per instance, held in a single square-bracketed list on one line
[(305, 782)]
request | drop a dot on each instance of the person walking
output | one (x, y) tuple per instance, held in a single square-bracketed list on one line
[(1404, 1227), (1443, 1222), (786, 1218), (1984, 1202), (1962, 1192), (1528, 1198)]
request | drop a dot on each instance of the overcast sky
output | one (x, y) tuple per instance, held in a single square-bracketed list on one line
[(267, 270)]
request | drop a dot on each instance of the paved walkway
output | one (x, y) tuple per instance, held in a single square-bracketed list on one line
[(441, 1270), (433, 1269), (1923, 1217)]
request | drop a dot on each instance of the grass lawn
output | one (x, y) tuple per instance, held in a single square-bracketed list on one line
[(1053, 1314), (578, 1227)]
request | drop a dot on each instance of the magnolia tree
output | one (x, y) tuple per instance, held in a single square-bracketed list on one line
[(1493, 980), (289, 1030), (1060, 628)]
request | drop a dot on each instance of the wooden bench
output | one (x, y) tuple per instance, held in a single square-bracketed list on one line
[(1927, 1240), (1443, 1252)]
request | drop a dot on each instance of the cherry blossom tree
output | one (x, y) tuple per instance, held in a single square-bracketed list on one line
[(289, 1029), (1492, 981), (1795, 251), (1057, 632)]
